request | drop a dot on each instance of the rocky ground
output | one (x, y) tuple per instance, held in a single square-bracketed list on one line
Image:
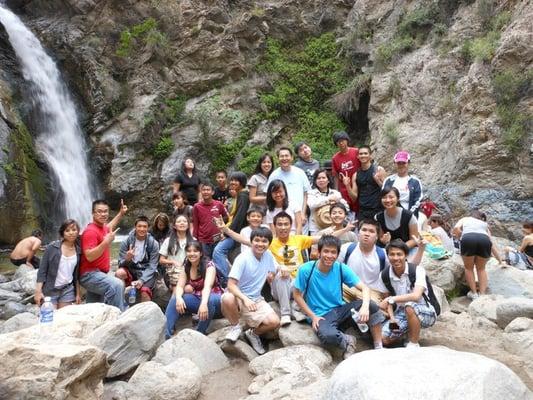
[(94, 352)]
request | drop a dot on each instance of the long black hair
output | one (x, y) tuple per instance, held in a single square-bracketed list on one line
[(173, 242), (274, 186), (160, 234), (204, 260), (264, 156)]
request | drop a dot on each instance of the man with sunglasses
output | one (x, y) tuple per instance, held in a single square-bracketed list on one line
[(408, 185)]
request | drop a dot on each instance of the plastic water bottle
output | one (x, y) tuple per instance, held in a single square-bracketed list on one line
[(361, 325), (46, 316), (132, 296)]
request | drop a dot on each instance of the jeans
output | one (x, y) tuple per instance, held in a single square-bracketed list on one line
[(207, 249), (330, 328), (220, 255), (99, 284), (192, 304)]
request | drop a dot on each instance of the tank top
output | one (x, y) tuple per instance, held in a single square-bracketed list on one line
[(474, 225), (369, 190), (528, 250), (402, 232), (198, 283)]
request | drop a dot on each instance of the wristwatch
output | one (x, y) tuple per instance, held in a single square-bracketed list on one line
[(391, 301)]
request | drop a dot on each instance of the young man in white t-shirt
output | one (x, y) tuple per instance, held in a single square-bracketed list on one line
[(366, 260), (413, 311), (254, 216)]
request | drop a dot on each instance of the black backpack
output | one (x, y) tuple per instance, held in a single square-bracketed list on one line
[(430, 298)]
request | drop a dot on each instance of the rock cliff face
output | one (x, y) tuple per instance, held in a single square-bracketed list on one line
[(149, 72)]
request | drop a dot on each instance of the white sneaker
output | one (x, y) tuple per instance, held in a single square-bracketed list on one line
[(350, 348), (234, 333), (411, 344), (285, 320), (255, 341), (471, 295)]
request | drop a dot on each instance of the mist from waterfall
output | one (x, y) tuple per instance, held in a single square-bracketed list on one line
[(59, 138)]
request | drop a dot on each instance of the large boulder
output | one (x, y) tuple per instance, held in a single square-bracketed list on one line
[(511, 308), (54, 371), (10, 309), (8, 295), (116, 390), (300, 353), (424, 373), (24, 283), (200, 349), (485, 306), (180, 380), (81, 320), (509, 282), (298, 333), (518, 339), (130, 339), (18, 322), (239, 349), (444, 273)]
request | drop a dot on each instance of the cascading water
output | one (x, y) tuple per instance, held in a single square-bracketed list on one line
[(60, 139)]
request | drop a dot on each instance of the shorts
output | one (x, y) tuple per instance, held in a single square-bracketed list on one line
[(67, 294), (426, 315), (146, 287), (254, 318), (476, 244)]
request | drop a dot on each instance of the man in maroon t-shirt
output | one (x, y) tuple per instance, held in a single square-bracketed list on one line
[(203, 213), (344, 164), (95, 257)]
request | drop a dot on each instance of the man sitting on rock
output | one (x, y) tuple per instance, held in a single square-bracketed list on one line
[(138, 259), (413, 309), (24, 251), (366, 260), (318, 292), (243, 298)]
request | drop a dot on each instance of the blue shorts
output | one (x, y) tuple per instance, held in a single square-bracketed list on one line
[(66, 294), (425, 313)]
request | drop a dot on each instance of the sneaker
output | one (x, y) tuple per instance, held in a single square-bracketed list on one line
[(471, 295), (350, 347), (411, 344), (255, 341), (234, 333), (297, 314), (285, 320)]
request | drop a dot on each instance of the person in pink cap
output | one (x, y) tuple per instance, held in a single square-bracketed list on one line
[(408, 185)]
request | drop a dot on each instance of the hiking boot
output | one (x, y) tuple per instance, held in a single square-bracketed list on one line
[(255, 341), (285, 320), (471, 295), (350, 347), (234, 333)]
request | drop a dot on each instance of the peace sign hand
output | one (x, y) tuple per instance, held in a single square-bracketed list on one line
[(130, 253)]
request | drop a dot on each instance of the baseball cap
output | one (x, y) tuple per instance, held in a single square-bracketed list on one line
[(402, 156)]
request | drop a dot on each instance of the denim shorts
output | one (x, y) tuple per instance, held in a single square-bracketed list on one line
[(67, 294), (425, 313)]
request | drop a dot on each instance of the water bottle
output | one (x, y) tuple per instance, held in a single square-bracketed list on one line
[(46, 315), (132, 295), (361, 325)]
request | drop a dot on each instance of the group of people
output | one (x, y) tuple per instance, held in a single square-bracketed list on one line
[(336, 249)]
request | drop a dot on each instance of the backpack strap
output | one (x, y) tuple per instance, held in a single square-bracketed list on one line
[(349, 252), (381, 256), (309, 278), (412, 279), (385, 277)]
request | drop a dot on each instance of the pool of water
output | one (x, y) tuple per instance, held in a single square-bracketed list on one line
[(7, 268)]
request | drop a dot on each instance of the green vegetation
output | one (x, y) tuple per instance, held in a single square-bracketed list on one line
[(303, 81), (144, 33), (509, 88), (164, 148), (412, 31), (390, 130)]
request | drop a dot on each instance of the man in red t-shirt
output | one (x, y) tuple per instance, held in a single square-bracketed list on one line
[(344, 164), (95, 257), (203, 213)]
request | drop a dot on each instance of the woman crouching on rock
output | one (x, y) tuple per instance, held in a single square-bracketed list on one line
[(197, 291), (58, 275)]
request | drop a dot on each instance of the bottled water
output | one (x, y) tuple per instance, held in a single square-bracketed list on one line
[(46, 315), (132, 296), (361, 325)]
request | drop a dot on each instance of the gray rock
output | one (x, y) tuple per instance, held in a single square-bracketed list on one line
[(441, 298), (460, 304), (82, 319), (132, 338), (7, 295), (117, 390), (217, 324), (200, 349), (238, 349), (300, 353), (509, 309), (298, 333), (485, 306), (180, 380), (448, 374), (3, 278), (22, 270), (444, 273), (12, 308), (19, 321), (509, 282), (24, 283)]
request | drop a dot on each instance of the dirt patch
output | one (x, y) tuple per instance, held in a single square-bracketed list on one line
[(227, 384)]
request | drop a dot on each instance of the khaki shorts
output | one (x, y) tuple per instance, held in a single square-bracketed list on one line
[(352, 293), (254, 318)]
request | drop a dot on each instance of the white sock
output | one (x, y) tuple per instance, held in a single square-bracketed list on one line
[(378, 345)]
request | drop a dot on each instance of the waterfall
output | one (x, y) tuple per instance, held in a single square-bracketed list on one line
[(59, 139)]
